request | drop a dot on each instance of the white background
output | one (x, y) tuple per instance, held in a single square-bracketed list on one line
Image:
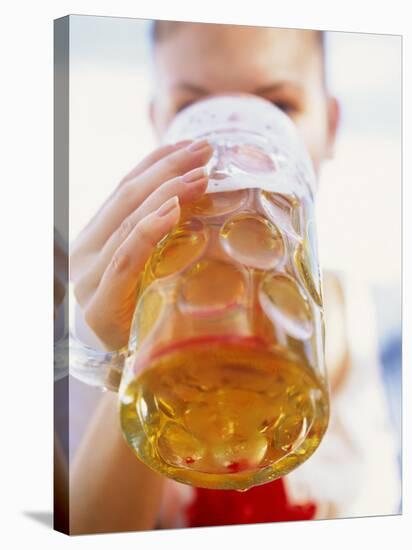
[(26, 274)]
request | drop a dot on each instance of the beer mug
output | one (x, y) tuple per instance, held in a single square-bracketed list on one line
[(225, 386)]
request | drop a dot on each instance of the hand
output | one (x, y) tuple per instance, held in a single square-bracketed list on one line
[(111, 251)]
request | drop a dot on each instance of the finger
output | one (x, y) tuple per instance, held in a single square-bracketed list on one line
[(187, 188), (110, 310), (146, 163), (135, 191), (171, 166), (154, 157)]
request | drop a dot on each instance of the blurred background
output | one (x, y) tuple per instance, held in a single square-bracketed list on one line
[(359, 201)]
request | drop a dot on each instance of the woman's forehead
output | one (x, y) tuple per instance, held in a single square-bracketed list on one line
[(220, 55)]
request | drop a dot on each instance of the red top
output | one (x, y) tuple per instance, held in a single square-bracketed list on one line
[(262, 504)]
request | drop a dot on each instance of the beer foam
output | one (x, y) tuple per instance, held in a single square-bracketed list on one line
[(255, 144)]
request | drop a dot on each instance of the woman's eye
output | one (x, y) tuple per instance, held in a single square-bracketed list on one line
[(284, 106), (184, 105)]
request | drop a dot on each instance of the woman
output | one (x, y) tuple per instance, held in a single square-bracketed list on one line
[(110, 489)]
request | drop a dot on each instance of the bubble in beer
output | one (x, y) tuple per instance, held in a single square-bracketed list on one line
[(285, 304), (180, 249), (212, 286), (252, 240)]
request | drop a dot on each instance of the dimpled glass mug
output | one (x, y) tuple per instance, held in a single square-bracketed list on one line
[(225, 384)]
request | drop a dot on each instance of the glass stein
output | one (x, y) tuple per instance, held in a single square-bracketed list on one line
[(224, 385)]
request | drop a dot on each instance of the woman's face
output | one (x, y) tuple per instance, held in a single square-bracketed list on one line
[(284, 66)]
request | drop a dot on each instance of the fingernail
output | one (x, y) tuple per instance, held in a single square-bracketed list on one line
[(167, 207), (197, 146), (195, 175)]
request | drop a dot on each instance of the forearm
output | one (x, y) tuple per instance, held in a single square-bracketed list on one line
[(110, 489)]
